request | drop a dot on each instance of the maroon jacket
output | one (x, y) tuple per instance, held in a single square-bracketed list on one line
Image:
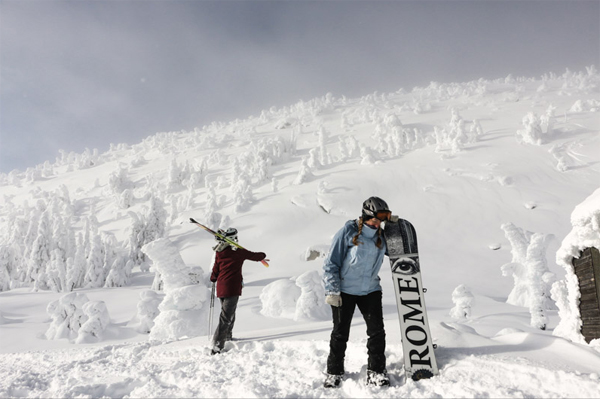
[(227, 270)]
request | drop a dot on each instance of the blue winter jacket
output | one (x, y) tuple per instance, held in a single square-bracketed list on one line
[(353, 269)]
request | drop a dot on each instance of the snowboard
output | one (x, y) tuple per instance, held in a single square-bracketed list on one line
[(417, 343)]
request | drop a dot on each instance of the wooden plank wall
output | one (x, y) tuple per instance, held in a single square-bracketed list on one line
[(587, 269)]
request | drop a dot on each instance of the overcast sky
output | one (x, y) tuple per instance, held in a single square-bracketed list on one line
[(77, 74)]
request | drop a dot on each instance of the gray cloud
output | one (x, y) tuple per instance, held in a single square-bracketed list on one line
[(78, 74)]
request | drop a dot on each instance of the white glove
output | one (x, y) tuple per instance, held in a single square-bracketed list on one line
[(334, 300)]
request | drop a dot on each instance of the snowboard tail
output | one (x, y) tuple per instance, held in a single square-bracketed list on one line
[(417, 343)]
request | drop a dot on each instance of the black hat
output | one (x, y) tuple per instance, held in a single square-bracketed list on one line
[(372, 206)]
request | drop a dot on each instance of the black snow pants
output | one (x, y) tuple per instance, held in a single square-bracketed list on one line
[(372, 311), (224, 330)]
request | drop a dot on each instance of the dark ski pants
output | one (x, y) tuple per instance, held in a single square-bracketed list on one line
[(224, 330), (372, 310)]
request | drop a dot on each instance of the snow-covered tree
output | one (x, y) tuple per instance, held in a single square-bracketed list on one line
[(146, 228), (77, 266), (147, 310), (67, 316), (95, 277), (184, 308), (463, 302), (118, 275), (97, 321), (310, 304), (40, 253), (125, 199), (56, 272), (304, 173), (532, 130), (530, 272), (5, 275), (176, 176)]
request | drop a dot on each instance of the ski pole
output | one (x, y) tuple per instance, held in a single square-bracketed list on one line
[(210, 312), (214, 233)]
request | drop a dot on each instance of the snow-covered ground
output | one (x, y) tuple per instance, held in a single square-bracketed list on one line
[(489, 172)]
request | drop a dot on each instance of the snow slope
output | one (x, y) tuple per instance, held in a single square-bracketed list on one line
[(457, 160)]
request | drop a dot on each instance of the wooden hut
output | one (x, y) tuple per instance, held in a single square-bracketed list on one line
[(587, 270)]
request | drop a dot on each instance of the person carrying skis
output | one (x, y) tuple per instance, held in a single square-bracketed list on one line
[(227, 273), (351, 279)]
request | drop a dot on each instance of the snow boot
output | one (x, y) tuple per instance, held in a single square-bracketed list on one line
[(377, 379), (332, 381), (215, 350)]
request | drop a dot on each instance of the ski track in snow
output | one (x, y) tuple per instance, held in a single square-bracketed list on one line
[(270, 369)]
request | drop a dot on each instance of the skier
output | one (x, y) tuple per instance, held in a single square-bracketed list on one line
[(351, 279), (227, 273)]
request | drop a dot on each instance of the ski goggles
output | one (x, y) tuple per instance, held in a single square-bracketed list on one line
[(383, 215)]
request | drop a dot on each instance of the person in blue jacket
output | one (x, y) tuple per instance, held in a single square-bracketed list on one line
[(351, 279)]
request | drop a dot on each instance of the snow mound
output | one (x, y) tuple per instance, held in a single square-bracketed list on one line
[(300, 298)]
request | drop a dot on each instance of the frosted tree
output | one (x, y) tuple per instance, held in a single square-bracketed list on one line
[(147, 310), (304, 173), (40, 253), (313, 159), (457, 135), (156, 220), (5, 275), (62, 194), (95, 277), (343, 149), (67, 316), (366, 155), (118, 276), (62, 236), (324, 157), (475, 131), (547, 120), (532, 278), (77, 267), (353, 147), (211, 216), (532, 130), (463, 301), (97, 321), (111, 252), (117, 180), (175, 176), (184, 308), (146, 228), (136, 238), (242, 195), (125, 199), (56, 272), (310, 304), (13, 268)]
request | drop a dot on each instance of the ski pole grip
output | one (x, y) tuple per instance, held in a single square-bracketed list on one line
[(264, 263)]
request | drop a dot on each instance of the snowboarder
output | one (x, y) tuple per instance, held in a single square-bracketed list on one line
[(351, 279), (227, 273)]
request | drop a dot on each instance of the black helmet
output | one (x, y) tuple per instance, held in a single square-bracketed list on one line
[(375, 207), (230, 234)]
